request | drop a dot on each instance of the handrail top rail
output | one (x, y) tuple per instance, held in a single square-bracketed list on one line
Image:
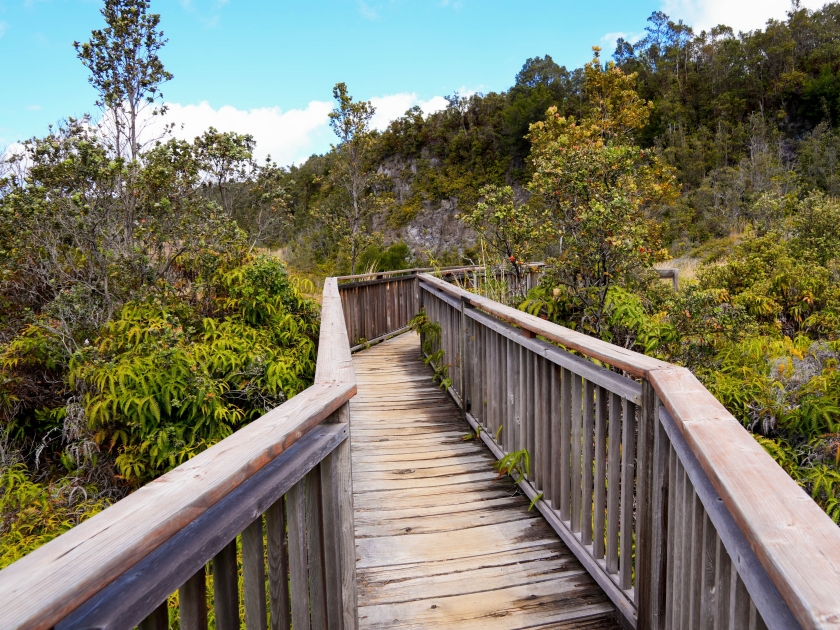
[(43, 587), (795, 541), (416, 270)]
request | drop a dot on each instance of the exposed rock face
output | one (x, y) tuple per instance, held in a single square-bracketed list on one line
[(436, 228)]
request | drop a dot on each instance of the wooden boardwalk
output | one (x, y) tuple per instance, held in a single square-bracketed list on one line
[(440, 541)]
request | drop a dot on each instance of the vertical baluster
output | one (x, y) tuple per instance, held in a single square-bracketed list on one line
[(552, 445), (558, 440), (709, 573), (697, 560), (549, 385), (330, 509), (673, 536), (628, 467), (513, 376), (576, 451), (739, 601), (226, 588), (613, 482), (491, 380), (528, 421), (723, 574), (602, 397), (588, 463), (315, 548), (562, 442), (278, 566), (686, 587), (537, 455), (253, 569), (158, 619), (658, 520), (192, 598), (522, 384), (484, 365), (298, 573)]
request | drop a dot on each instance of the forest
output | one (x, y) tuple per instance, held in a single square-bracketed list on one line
[(157, 294)]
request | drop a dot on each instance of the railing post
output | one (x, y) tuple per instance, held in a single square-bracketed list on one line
[(651, 517), (337, 489)]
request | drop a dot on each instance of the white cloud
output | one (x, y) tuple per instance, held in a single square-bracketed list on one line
[(368, 12), (390, 107), (741, 15), (288, 136), (4, 26), (33, 108), (608, 40)]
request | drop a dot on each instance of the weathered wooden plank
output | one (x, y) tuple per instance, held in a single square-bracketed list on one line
[(169, 566), (253, 570), (621, 385), (278, 566), (96, 552), (298, 569), (226, 588), (588, 462), (613, 483), (483, 547), (628, 466), (784, 526), (723, 574), (708, 605), (600, 481), (315, 548), (158, 619), (562, 443), (627, 360), (577, 451), (192, 600), (542, 603)]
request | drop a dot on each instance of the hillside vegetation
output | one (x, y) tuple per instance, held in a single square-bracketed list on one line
[(141, 320), (715, 151)]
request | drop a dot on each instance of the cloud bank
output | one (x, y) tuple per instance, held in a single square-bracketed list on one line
[(741, 15), (291, 136)]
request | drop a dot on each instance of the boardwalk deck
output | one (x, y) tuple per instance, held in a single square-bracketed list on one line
[(440, 541)]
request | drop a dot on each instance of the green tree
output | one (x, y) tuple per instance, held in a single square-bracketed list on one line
[(125, 69), (515, 232), (597, 183), (352, 174), (227, 160)]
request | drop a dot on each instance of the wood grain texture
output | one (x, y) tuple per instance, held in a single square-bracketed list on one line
[(441, 541), (96, 552), (796, 543), (253, 569), (226, 588), (192, 598), (278, 566), (627, 360), (213, 535)]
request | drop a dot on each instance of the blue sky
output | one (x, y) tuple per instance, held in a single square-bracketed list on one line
[(268, 68)]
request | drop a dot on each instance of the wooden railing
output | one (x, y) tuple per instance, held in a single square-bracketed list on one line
[(379, 305), (681, 517), (678, 513), (283, 481)]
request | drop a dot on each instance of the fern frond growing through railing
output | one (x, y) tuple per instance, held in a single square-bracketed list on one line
[(517, 464)]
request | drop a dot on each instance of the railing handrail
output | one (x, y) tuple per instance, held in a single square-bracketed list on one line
[(416, 270), (45, 586), (795, 541)]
